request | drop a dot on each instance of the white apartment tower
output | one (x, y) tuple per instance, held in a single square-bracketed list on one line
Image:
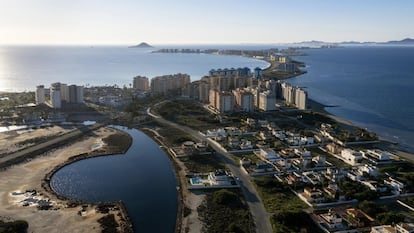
[(55, 99), (267, 101), (300, 98), (40, 95)]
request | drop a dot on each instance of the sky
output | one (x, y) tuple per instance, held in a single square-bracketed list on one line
[(97, 22)]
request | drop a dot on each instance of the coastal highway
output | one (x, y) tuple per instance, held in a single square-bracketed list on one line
[(32, 151), (258, 211)]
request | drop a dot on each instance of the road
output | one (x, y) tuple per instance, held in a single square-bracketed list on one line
[(42, 147), (257, 209)]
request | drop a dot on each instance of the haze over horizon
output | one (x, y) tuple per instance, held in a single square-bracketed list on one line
[(99, 22)]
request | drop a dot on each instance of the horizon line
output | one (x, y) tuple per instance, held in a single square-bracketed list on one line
[(194, 43)]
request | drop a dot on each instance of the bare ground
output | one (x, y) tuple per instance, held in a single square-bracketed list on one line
[(29, 176)]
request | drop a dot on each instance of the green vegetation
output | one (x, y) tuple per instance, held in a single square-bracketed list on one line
[(391, 217), (173, 136), (11, 100), (287, 209), (409, 201), (138, 106), (404, 173), (202, 163), (187, 112), (277, 196), (292, 221), (371, 208), (225, 211), (108, 224), (381, 213), (356, 190), (316, 119), (18, 226), (118, 142)]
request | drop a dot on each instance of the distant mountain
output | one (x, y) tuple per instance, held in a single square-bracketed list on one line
[(141, 45), (406, 41)]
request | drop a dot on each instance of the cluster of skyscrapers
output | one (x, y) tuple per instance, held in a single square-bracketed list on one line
[(228, 90), (58, 93)]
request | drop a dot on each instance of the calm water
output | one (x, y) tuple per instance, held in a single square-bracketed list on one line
[(372, 86), (143, 179), (25, 67)]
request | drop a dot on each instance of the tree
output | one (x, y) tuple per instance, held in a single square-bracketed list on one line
[(225, 197), (390, 218)]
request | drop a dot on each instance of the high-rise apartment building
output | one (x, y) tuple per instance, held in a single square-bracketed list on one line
[(75, 94), (40, 96), (55, 96), (300, 98), (204, 88), (140, 83), (244, 100), (64, 92), (267, 101), (166, 84)]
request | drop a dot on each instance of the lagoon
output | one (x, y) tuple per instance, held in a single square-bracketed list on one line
[(143, 179)]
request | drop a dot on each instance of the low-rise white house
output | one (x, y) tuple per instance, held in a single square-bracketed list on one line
[(267, 154), (219, 177), (351, 157), (332, 220), (378, 155), (396, 186), (213, 133), (355, 176), (369, 169), (383, 229)]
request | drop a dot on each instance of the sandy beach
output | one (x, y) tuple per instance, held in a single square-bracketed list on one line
[(19, 182)]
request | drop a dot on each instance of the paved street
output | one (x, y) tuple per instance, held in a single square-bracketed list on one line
[(258, 211)]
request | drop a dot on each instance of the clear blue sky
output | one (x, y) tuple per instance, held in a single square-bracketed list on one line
[(202, 21)]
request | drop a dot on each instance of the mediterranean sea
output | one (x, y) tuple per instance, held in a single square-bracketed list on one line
[(22, 68), (372, 86), (143, 179)]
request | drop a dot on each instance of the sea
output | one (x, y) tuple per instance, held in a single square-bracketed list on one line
[(372, 86), (22, 68)]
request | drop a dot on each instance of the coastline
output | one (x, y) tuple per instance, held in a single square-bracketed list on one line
[(69, 214), (384, 144)]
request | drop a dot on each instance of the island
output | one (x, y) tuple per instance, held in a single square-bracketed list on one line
[(142, 45)]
